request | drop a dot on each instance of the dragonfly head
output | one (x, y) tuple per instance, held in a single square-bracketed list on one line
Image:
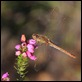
[(35, 36)]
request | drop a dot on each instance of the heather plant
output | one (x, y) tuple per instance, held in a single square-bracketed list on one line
[(24, 52)]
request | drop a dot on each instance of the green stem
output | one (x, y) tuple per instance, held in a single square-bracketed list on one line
[(21, 65)]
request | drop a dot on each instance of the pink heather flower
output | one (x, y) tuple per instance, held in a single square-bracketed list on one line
[(30, 48), (5, 75), (17, 53), (23, 44), (32, 41), (31, 56), (17, 47), (26, 49), (24, 54), (23, 38)]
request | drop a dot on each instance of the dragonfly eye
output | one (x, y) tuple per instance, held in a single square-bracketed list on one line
[(35, 36)]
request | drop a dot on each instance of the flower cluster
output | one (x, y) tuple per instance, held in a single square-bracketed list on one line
[(26, 48), (5, 77)]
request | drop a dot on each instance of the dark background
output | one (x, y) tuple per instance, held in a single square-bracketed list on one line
[(58, 20)]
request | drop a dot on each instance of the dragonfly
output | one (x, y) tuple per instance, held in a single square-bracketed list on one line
[(43, 39)]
